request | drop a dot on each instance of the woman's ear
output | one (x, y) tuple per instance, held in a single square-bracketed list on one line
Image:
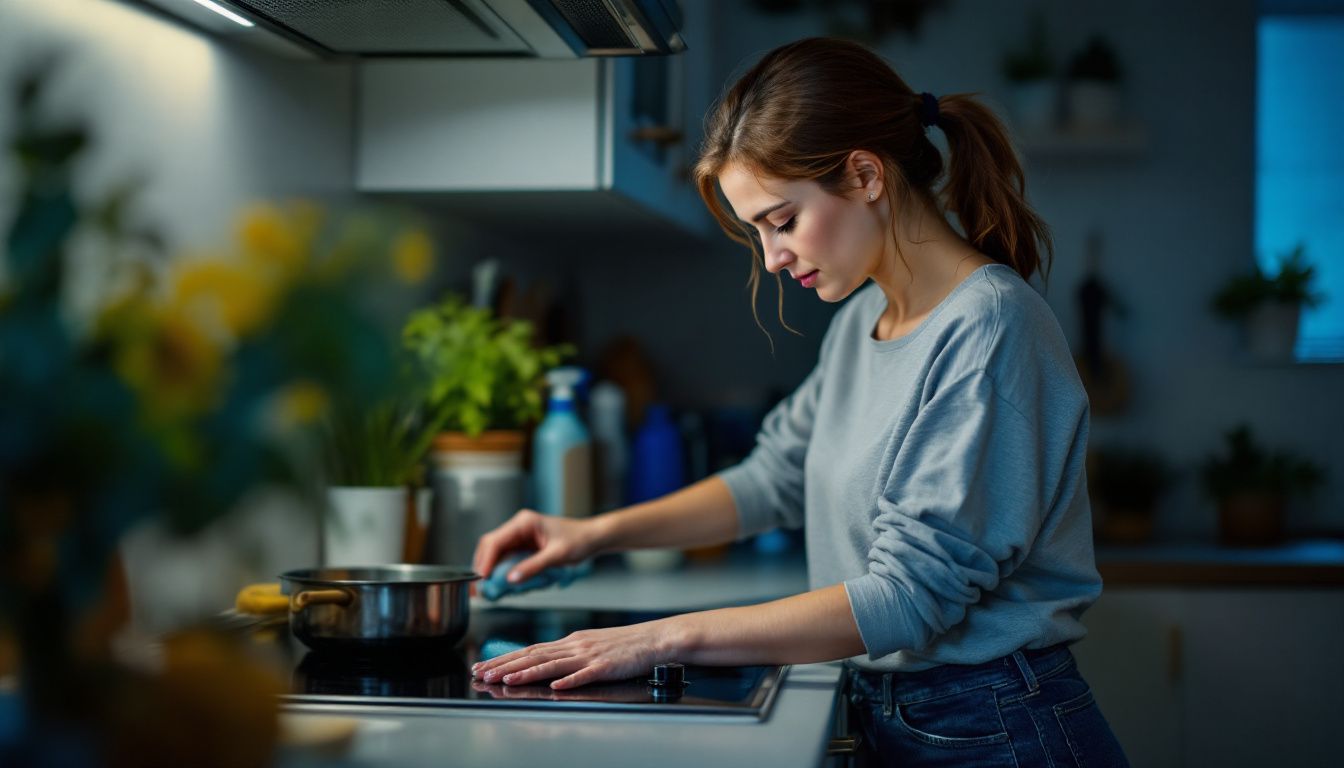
[(864, 170)]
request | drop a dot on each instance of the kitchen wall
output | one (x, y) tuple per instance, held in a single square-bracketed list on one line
[(217, 126), (213, 127), (1176, 220)]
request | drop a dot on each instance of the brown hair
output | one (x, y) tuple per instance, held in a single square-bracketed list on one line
[(800, 111)]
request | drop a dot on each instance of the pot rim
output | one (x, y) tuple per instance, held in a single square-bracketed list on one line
[(394, 574)]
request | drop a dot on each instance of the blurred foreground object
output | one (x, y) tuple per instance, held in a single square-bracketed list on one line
[(180, 388)]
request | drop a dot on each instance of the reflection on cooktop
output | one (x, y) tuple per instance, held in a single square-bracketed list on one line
[(443, 678), (422, 676)]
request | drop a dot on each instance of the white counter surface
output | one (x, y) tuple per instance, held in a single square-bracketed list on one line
[(795, 733)]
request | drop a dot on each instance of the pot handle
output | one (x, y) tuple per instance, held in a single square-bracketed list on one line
[(306, 598)]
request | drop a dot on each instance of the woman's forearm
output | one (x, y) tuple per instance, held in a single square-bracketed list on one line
[(802, 629), (698, 515), (814, 626)]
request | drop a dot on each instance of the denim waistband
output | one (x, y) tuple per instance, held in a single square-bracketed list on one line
[(1026, 666)]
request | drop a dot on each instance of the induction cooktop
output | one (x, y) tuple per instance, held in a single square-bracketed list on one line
[(443, 678)]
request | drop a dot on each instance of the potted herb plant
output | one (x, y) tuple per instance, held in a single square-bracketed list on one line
[(377, 507), (484, 386), (1270, 307), (1030, 71), (1092, 97), (1251, 487), (1125, 485)]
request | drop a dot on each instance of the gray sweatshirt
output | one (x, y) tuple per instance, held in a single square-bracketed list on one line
[(939, 476)]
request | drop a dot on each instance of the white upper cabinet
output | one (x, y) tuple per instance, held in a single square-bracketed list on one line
[(609, 138)]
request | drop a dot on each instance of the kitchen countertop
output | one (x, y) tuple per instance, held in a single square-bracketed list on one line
[(798, 729), (741, 578), (796, 733), (1305, 563)]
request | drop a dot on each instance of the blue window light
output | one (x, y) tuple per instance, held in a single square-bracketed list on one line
[(1299, 185)]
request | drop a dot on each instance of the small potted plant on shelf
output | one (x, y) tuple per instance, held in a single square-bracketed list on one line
[(1092, 98), (1270, 307), (485, 382), (1252, 486), (1030, 74), (1125, 486)]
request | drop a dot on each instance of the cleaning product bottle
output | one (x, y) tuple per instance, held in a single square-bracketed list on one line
[(657, 464), (610, 448), (562, 451)]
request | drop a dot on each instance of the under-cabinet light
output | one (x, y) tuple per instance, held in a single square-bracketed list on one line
[(225, 12)]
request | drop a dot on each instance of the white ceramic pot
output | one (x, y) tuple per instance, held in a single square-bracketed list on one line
[(365, 526), (1271, 332), (1093, 105)]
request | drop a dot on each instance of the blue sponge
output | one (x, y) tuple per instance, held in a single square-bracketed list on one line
[(496, 646), (496, 585)]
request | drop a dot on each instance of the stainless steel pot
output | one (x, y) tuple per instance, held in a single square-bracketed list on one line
[(389, 607)]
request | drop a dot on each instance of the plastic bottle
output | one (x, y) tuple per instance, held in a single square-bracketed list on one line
[(657, 465), (611, 453), (657, 468), (562, 451)]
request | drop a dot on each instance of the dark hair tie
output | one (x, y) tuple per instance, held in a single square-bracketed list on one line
[(928, 109)]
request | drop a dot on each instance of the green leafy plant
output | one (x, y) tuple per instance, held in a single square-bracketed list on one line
[(379, 444), (1127, 480), (1247, 468), (482, 372), (1032, 62), (1291, 285), (1097, 62)]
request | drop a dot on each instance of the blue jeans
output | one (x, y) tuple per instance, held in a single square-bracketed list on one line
[(1028, 709)]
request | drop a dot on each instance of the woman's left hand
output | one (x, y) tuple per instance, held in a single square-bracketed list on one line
[(585, 657)]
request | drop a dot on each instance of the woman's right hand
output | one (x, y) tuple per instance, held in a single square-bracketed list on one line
[(557, 541)]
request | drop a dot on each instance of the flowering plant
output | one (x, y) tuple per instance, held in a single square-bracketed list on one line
[(181, 384)]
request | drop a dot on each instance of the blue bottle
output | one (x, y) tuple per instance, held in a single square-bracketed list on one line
[(657, 464), (562, 451)]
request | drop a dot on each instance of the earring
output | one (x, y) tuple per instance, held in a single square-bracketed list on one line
[(872, 196)]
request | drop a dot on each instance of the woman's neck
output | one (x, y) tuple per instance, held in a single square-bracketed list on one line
[(932, 260)]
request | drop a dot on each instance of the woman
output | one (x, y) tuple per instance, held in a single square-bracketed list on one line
[(934, 455)]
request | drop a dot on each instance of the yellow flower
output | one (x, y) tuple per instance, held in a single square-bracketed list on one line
[(277, 244), (412, 256), (222, 298), (298, 404), (174, 365)]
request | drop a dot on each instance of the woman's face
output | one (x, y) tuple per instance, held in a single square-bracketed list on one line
[(828, 243)]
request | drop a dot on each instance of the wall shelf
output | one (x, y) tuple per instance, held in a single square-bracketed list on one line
[(1123, 141)]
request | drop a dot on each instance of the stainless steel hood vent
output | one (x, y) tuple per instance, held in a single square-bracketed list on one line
[(528, 28)]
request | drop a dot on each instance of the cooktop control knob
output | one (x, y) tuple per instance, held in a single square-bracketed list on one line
[(668, 680), (668, 675)]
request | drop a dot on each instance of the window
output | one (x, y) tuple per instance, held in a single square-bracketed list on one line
[(1299, 194)]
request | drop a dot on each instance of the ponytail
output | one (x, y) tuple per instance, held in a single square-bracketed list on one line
[(800, 111), (986, 189)]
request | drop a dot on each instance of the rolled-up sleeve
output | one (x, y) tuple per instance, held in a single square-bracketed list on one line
[(965, 499)]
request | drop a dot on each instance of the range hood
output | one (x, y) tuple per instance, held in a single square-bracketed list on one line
[(429, 28)]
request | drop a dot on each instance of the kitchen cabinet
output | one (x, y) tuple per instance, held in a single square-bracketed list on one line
[(1227, 677), (545, 145)]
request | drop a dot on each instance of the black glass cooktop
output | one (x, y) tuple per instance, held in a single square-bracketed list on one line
[(443, 678)]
